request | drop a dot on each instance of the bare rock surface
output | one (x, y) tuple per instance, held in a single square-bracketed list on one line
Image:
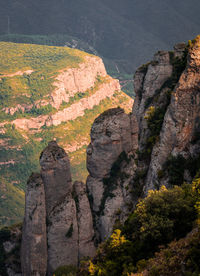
[(73, 80), (148, 80), (75, 110), (111, 136), (34, 242), (57, 216), (56, 174), (62, 235), (85, 222), (181, 120)]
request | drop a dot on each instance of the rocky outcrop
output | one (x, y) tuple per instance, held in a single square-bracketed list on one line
[(34, 242), (180, 130), (111, 144), (75, 110), (58, 217), (60, 206), (84, 221), (148, 80), (56, 175), (74, 80), (126, 158), (62, 235), (69, 90), (166, 114)]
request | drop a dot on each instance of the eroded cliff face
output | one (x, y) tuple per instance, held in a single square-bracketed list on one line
[(166, 112), (68, 83), (84, 220), (128, 156), (180, 129)]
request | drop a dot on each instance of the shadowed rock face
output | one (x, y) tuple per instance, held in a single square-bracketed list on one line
[(34, 241), (170, 86), (62, 235), (110, 137), (84, 220), (181, 123), (56, 175), (148, 80)]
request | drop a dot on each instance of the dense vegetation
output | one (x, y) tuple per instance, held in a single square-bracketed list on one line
[(12, 258), (158, 219)]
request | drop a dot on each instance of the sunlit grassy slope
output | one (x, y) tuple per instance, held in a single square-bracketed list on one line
[(20, 149)]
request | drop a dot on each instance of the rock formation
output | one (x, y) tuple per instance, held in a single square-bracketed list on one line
[(129, 154), (34, 242), (84, 221), (167, 93), (111, 145), (58, 217), (56, 174), (180, 130)]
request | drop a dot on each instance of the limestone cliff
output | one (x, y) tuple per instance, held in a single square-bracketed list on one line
[(167, 112), (179, 136)]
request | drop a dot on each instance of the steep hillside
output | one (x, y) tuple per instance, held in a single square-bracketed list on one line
[(126, 32), (47, 93)]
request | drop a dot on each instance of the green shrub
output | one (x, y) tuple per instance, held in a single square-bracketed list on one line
[(179, 258), (158, 219), (162, 216), (67, 270)]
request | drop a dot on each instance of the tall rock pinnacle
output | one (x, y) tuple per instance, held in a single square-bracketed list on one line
[(62, 216)]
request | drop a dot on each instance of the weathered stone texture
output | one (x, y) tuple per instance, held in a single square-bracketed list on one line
[(62, 235), (148, 80), (34, 242), (85, 222), (57, 217), (111, 136), (56, 175), (181, 119)]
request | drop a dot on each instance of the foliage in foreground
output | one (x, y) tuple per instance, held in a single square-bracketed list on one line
[(179, 257), (158, 219), (68, 270)]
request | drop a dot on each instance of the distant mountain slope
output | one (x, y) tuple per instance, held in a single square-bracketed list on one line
[(47, 93), (127, 31)]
